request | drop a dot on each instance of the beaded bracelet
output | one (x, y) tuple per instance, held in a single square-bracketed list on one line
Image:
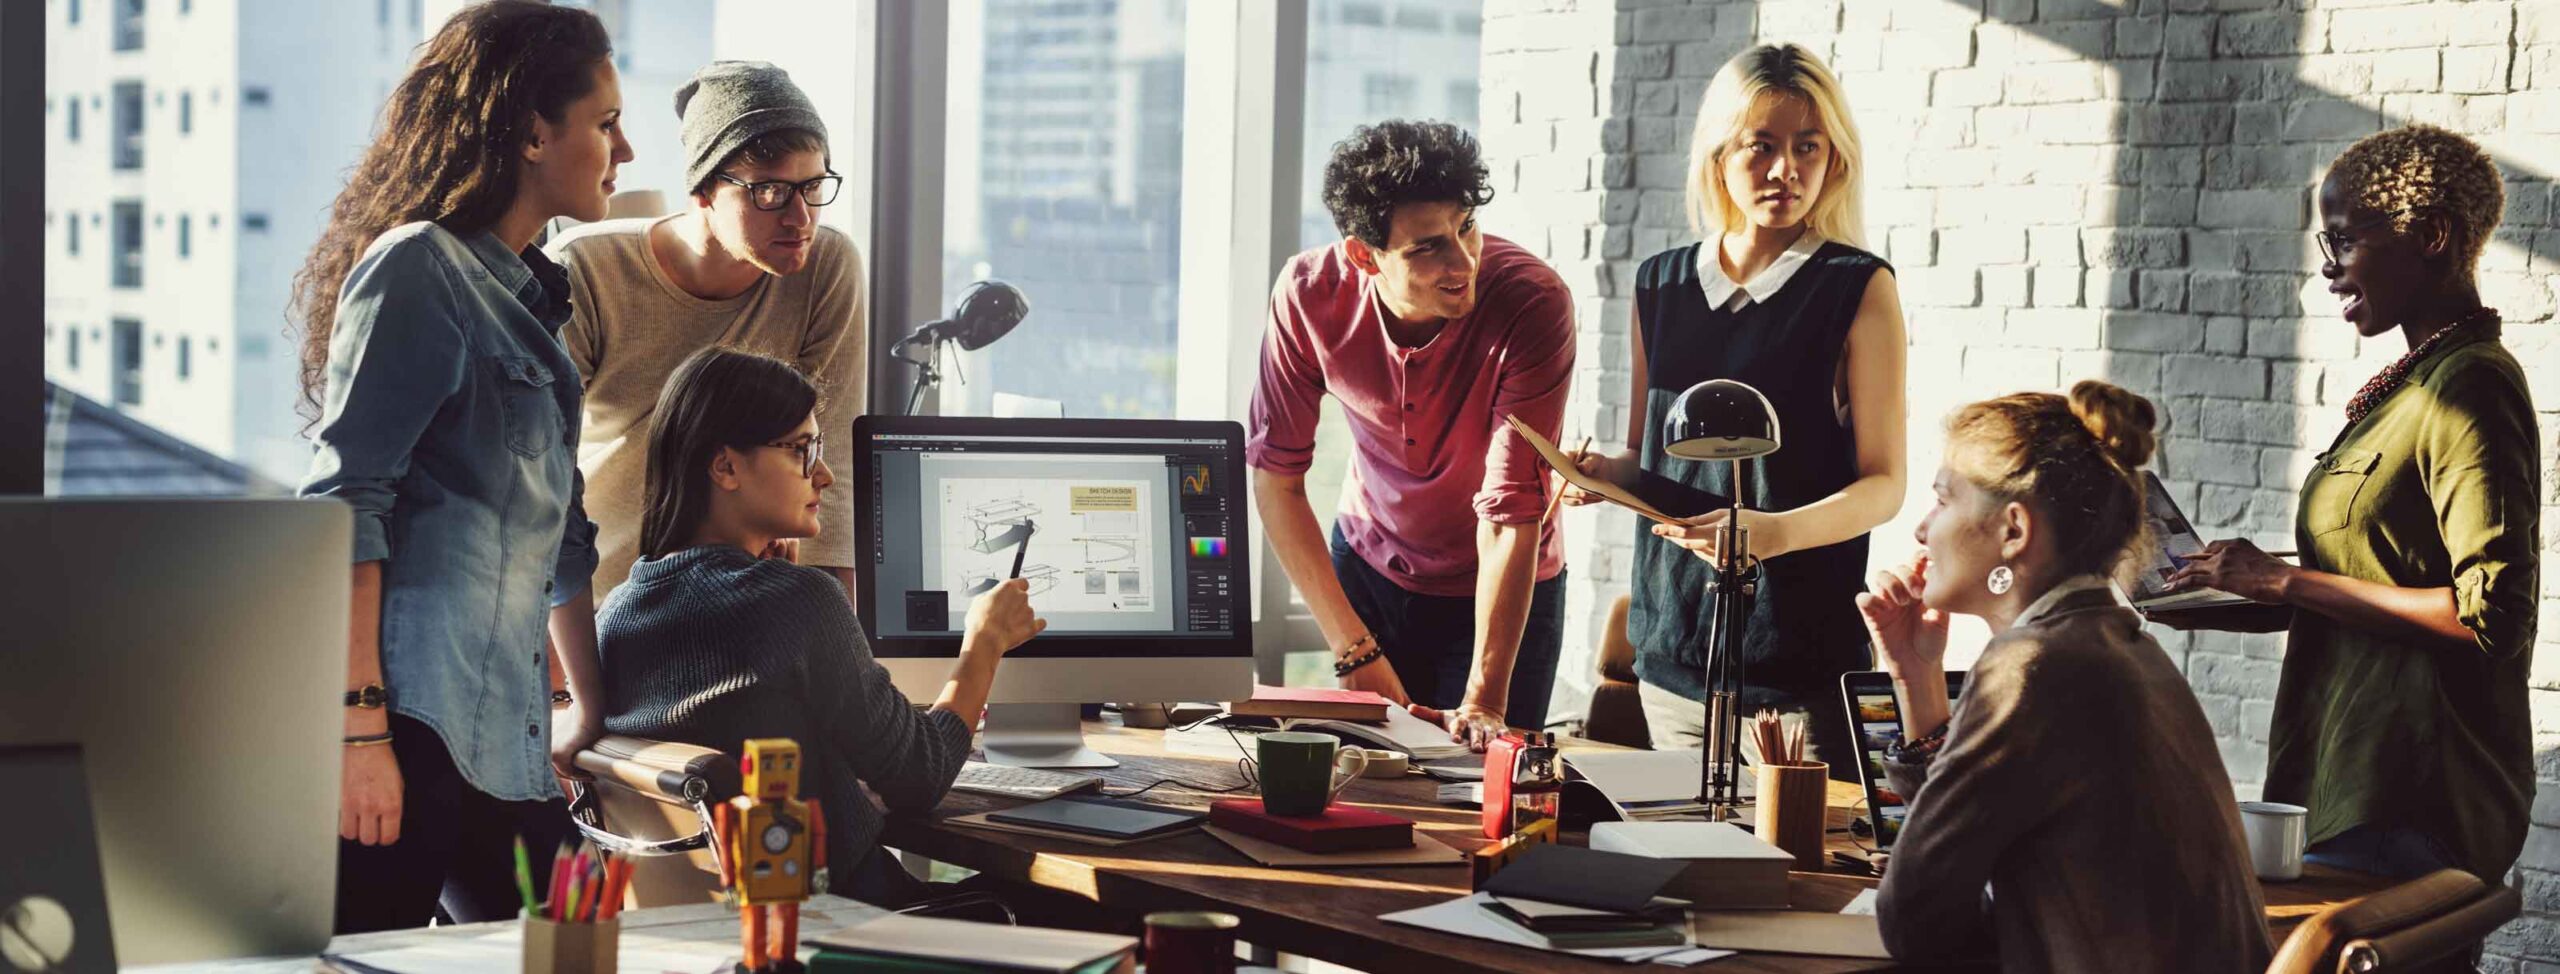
[(1343, 667)]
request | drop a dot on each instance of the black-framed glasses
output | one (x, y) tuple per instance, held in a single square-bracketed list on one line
[(774, 194), (2335, 245), (811, 451)]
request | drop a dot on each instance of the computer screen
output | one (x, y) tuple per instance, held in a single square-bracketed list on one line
[(1129, 531)]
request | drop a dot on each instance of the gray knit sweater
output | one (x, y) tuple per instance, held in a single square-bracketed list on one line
[(712, 646)]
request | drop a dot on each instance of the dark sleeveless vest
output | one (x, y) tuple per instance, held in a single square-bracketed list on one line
[(1804, 630)]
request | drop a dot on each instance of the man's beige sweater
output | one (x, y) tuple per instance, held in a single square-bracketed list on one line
[(632, 326)]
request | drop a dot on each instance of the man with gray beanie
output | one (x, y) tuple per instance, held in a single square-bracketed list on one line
[(744, 264)]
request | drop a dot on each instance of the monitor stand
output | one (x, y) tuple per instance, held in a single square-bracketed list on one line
[(1038, 735)]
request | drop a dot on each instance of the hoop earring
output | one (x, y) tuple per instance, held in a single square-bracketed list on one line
[(2000, 580)]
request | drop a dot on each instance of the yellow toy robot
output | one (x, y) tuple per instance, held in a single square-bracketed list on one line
[(773, 853)]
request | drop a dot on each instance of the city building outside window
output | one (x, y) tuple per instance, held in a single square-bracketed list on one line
[(128, 361), (127, 239), (128, 25), (128, 125)]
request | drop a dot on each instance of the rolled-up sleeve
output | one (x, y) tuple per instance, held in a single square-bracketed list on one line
[(396, 353), (2477, 453), (1280, 432), (1537, 373), (575, 568)]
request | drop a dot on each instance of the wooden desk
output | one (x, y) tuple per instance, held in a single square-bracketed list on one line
[(1332, 915), (708, 928)]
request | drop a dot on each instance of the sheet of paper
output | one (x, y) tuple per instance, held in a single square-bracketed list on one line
[(1467, 917), (1864, 905), (1789, 932), (1036, 948), (504, 951), (1640, 779), (1564, 467)]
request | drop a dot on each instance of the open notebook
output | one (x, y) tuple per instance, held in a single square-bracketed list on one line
[(1233, 736)]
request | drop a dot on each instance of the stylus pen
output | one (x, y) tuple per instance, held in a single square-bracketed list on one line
[(1027, 528)]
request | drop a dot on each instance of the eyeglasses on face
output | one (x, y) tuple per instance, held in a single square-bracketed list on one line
[(2335, 245), (774, 194), (811, 451)]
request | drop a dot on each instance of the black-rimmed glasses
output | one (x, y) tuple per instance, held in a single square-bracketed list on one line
[(774, 194), (811, 451), (2335, 245)]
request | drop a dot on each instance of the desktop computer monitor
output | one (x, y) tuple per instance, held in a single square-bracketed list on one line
[(190, 655), (1132, 533)]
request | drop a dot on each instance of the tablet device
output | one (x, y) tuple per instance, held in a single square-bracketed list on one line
[(1875, 715), (2173, 541), (1107, 817)]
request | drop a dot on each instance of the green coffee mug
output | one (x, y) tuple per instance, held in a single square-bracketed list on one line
[(1296, 772)]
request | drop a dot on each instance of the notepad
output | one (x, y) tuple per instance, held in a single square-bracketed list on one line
[(1105, 817)]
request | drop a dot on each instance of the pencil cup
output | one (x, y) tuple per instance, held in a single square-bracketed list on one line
[(570, 948), (1791, 805)]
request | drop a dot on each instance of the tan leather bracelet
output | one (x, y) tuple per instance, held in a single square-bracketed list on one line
[(369, 740)]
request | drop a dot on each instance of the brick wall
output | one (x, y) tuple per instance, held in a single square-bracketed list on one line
[(2070, 188)]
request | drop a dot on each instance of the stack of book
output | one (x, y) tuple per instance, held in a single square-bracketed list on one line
[(1339, 828), (1576, 899)]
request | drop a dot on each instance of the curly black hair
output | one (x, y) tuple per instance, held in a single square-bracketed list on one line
[(1401, 161)]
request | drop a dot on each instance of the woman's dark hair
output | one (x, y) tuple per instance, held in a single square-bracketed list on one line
[(446, 148), (719, 397), (2073, 460), (1401, 161)]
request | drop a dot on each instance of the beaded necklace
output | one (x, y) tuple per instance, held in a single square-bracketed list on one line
[(2384, 383)]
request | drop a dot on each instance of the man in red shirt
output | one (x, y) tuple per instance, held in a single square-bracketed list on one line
[(1428, 332)]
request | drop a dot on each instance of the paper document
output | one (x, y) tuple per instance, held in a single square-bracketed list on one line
[(1595, 486), (504, 951), (1790, 932), (1863, 906), (1638, 781), (1032, 948), (1466, 916), (1414, 736)]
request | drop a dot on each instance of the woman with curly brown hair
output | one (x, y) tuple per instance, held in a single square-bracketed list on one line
[(2401, 719), (447, 416)]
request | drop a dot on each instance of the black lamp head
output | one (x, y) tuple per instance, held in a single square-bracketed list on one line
[(1720, 419), (987, 310)]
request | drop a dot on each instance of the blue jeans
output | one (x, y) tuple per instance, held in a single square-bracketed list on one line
[(1430, 639), (2396, 853)]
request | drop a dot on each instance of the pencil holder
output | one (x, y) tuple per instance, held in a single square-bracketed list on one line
[(570, 948), (1790, 810)]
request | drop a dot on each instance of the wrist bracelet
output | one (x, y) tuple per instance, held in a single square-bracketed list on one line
[(1352, 648), (367, 740), (1342, 668), (561, 698)]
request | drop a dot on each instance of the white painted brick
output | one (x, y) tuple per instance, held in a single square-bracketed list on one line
[(1949, 167), (2335, 120), (2011, 368), (1929, 50), (2068, 81), (2108, 288), (2162, 290), (2056, 328), (2213, 375), (2255, 209), (2134, 247), (2058, 286), (2243, 294), (1990, 244), (1674, 24), (2388, 28), (1966, 87), (2538, 22), (1797, 18), (2154, 332), (2477, 70), (2411, 70), (2489, 22), (2341, 75), (1940, 287), (1912, 246), (2003, 287), (2259, 35)]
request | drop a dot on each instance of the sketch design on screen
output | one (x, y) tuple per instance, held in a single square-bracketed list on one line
[(1090, 558)]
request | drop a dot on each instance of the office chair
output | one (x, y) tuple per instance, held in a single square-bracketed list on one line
[(2429, 924), (652, 800), (1616, 714)]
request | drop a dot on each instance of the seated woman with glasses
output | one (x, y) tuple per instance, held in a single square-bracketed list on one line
[(714, 640), (2401, 717), (2078, 779)]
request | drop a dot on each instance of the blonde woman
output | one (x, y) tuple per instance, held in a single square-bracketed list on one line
[(1777, 294)]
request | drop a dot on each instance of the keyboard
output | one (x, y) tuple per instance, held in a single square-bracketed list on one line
[(1011, 782)]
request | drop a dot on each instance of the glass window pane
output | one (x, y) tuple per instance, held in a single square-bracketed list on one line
[(1361, 69), (1064, 179)]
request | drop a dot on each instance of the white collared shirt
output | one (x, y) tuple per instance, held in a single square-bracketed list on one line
[(1725, 295), (2044, 603)]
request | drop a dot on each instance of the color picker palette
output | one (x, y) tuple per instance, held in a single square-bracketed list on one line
[(1208, 547)]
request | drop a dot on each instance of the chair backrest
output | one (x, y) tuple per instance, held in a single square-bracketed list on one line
[(652, 799), (2405, 928), (1617, 657)]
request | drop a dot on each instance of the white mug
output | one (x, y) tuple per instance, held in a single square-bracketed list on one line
[(2275, 833)]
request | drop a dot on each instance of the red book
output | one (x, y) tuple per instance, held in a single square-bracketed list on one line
[(1320, 703), (1339, 829)]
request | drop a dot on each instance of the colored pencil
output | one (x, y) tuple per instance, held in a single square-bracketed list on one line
[(524, 877)]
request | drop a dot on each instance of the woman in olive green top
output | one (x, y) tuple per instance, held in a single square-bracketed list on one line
[(2401, 718)]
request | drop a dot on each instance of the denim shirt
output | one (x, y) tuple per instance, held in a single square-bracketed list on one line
[(450, 424)]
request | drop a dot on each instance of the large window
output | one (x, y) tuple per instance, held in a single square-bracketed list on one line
[(128, 125), (128, 244), (1362, 68), (128, 361), (1064, 179), (128, 25)]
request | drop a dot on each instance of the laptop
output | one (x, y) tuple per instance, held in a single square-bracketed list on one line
[(2175, 541), (1875, 715)]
